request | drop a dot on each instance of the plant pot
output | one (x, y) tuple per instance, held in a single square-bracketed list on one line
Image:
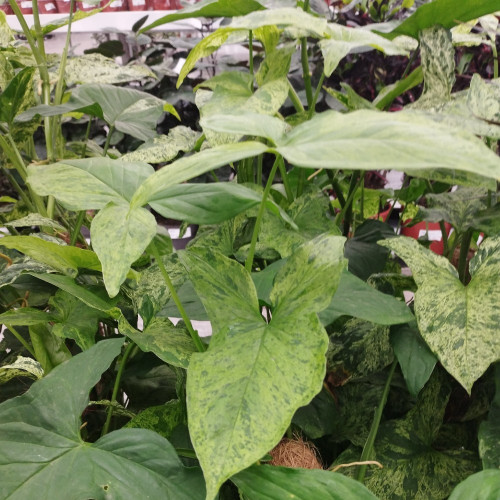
[(430, 229), (47, 7), (116, 6), (5, 7), (25, 6), (86, 7), (63, 6), (138, 5), (162, 4)]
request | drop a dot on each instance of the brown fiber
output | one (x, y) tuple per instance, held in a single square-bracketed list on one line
[(295, 453)]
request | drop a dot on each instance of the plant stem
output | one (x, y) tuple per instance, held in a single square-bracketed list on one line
[(20, 338), (184, 452), (116, 387), (260, 161), (292, 94), (78, 225), (284, 178), (370, 441), (19, 189), (260, 215), (108, 140), (444, 236), (312, 108), (464, 252), (347, 208), (194, 335), (336, 187), (305, 64), (86, 138), (250, 52), (495, 59)]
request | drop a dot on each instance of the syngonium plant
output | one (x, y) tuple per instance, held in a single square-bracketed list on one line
[(310, 334)]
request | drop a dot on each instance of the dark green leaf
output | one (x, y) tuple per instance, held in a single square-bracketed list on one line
[(14, 98), (266, 482), (484, 485), (50, 350), (26, 316)]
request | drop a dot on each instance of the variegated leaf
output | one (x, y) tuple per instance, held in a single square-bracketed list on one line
[(459, 323)]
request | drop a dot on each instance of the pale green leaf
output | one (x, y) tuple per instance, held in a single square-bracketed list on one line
[(459, 323), (90, 183), (35, 219), (119, 235), (165, 147), (340, 141), (239, 409), (6, 34), (50, 350), (484, 485), (276, 483), (46, 421), (26, 316), (170, 343), (188, 167), (276, 64), (64, 258), (483, 99), (22, 367), (96, 68)]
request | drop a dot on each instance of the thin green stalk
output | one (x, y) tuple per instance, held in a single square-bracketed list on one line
[(194, 335), (116, 387), (284, 178), (260, 161), (108, 139), (444, 236), (495, 59), (292, 94), (199, 142), (13, 155), (370, 441), (78, 226), (336, 187), (305, 64), (312, 108), (346, 211), (20, 338), (410, 62), (250, 52), (86, 138), (26, 30), (184, 452), (301, 182), (464, 252), (260, 215)]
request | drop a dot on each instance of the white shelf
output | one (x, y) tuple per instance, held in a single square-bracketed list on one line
[(110, 22)]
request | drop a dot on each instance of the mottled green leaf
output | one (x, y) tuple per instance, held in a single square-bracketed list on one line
[(276, 483), (239, 409), (25, 316), (342, 40), (264, 280), (22, 367), (75, 319), (96, 68), (483, 99), (447, 13), (119, 235), (6, 34), (415, 359), (484, 485), (489, 431), (46, 421), (50, 350), (459, 208), (340, 141), (90, 183), (276, 64), (64, 258), (209, 8), (188, 167), (488, 220), (86, 296), (165, 147), (14, 98), (360, 348), (172, 344), (413, 468), (438, 66), (356, 298), (35, 219), (160, 419), (459, 323)]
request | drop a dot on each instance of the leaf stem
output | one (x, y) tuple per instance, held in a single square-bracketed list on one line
[(284, 178), (19, 189), (312, 108), (116, 387), (370, 441), (305, 64), (464, 252), (444, 236), (194, 335), (260, 215), (20, 338), (78, 225), (292, 94), (108, 139), (250, 52)]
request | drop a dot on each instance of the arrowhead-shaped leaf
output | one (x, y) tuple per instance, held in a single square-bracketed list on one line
[(459, 323), (243, 392), (41, 447)]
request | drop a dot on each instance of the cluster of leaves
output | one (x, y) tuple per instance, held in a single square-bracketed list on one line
[(310, 331)]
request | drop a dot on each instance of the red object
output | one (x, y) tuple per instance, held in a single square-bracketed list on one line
[(63, 6), (162, 4), (431, 230), (25, 6), (86, 7), (175, 5), (5, 7), (47, 7), (116, 6), (137, 5)]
